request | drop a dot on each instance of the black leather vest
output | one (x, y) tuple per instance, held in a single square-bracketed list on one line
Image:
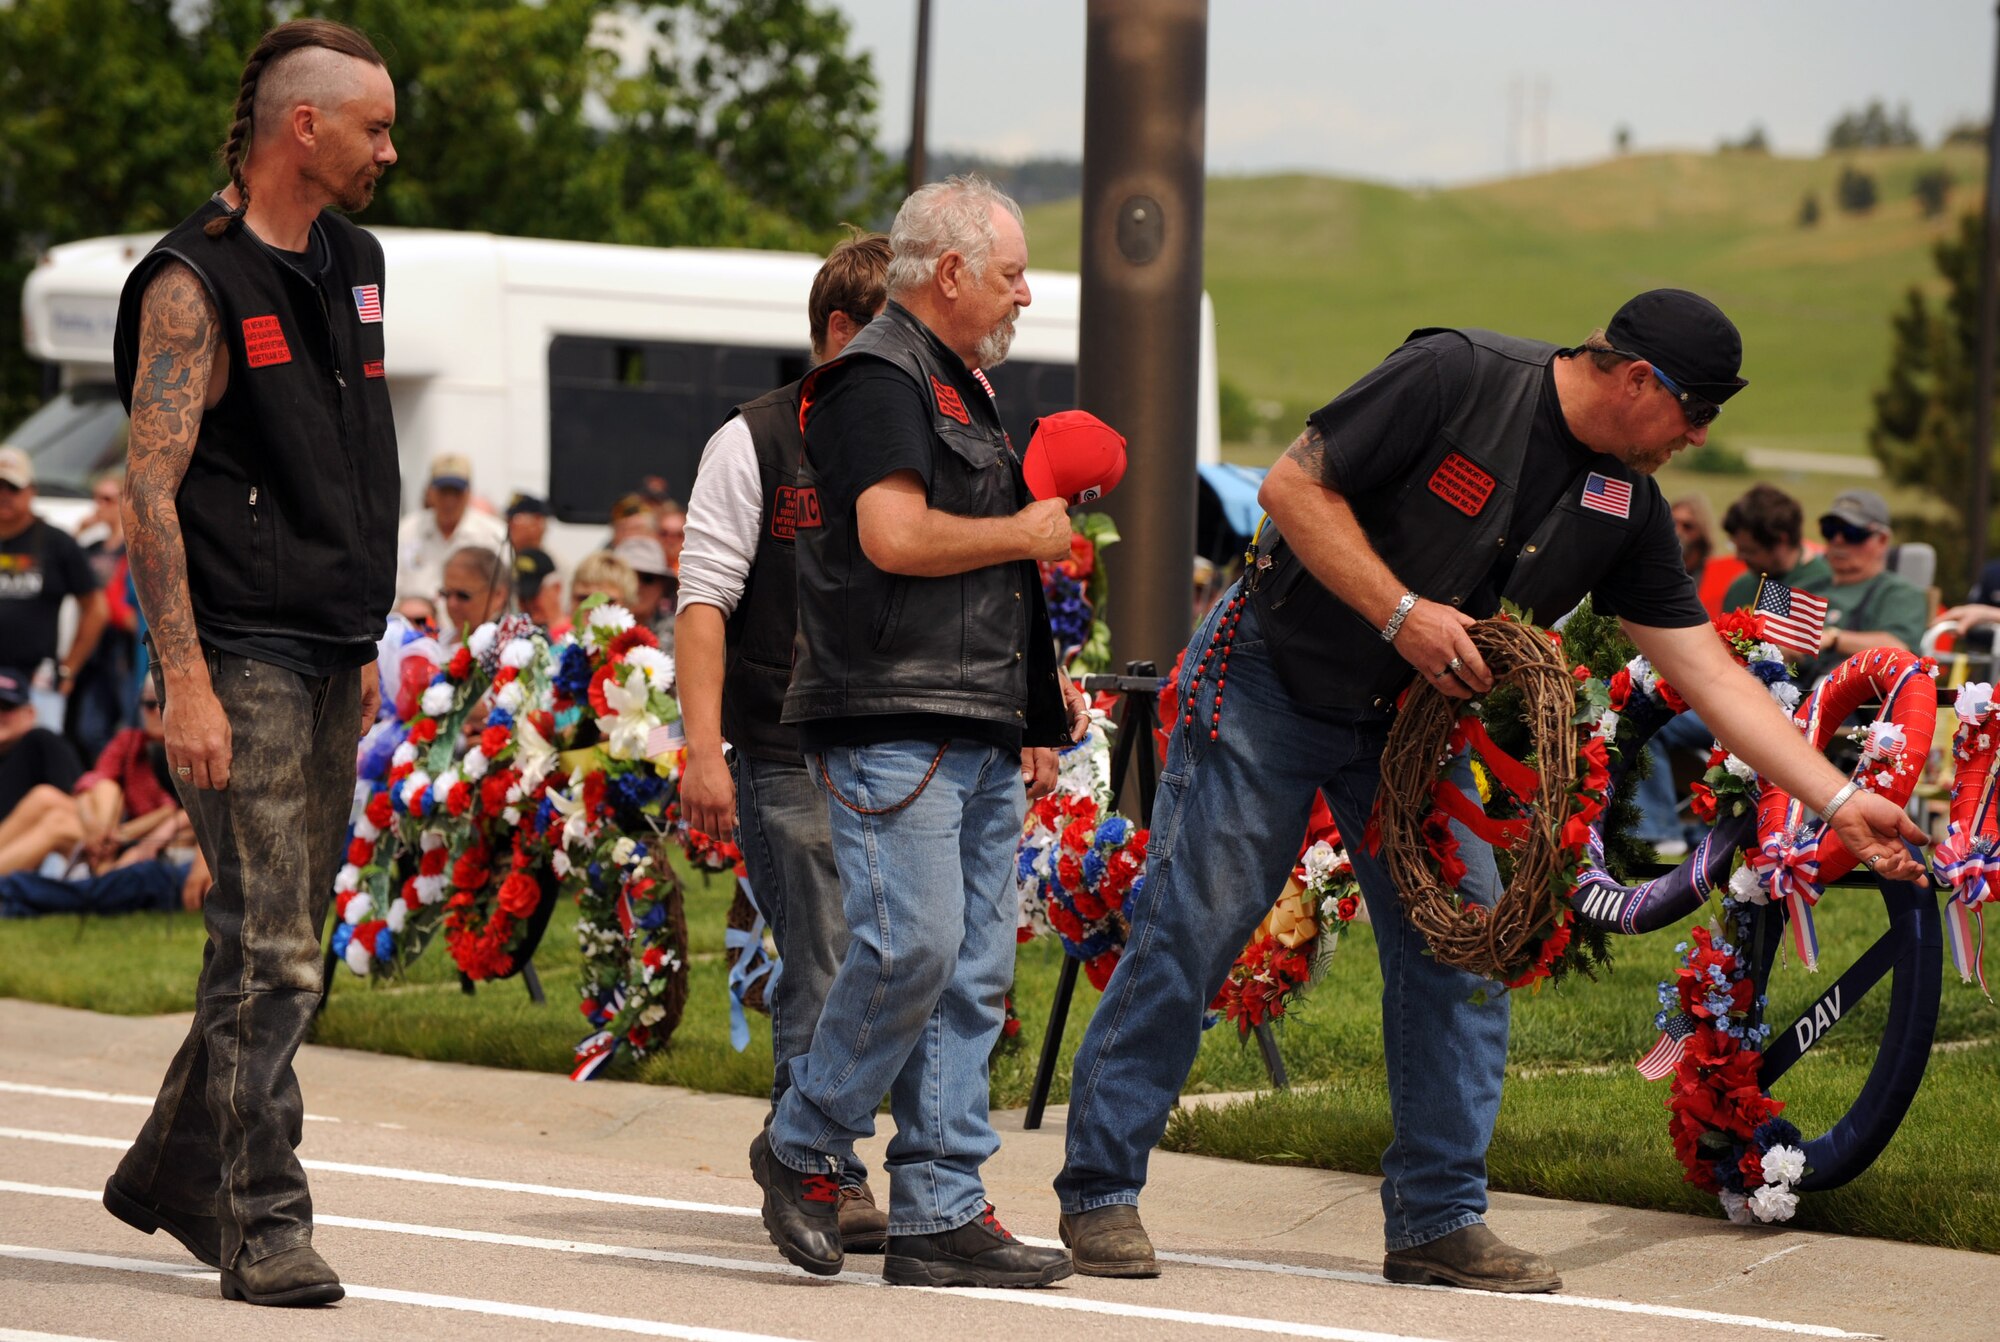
[(974, 645), (1441, 528), (758, 665), (288, 509)]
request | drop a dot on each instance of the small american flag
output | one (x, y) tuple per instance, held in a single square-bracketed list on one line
[(1605, 495), (1793, 620), (1666, 1052), (368, 302)]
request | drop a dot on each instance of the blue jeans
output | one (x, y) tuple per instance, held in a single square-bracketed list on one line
[(781, 823), (1226, 827), (1659, 814), (917, 1005), (143, 887)]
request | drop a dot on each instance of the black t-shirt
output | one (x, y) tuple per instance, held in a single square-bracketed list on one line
[(307, 656), (1381, 427), (38, 757), (884, 426), (38, 568)]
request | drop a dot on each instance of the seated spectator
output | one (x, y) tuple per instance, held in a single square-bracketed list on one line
[(444, 524), (673, 533), (158, 886), (537, 589), (653, 605), (600, 574), (126, 802), (527, 522), (475, 590), (632, 516), (1767, 527), (1694, 524), (1867, 606), (38, 817), (419, 611)]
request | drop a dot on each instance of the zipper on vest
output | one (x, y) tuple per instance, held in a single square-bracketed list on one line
[(332, 341)]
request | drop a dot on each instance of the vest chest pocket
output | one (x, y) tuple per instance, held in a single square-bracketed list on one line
[(977, 479)]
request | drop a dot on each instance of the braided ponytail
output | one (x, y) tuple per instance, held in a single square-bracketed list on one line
[(277, 44)]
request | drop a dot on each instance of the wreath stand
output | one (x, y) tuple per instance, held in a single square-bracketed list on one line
[(1138, 689)]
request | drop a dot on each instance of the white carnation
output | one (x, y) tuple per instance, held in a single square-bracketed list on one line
[(405, 754), (518, 653), (1787, 695), (474, 764), (1774, 1203), (358, 909), (1607, 724), (357, 957), (1740, 769), (364, 829), (430, 889), (1768, 652), (1745, 887), (512, 815), (511, 696), (481, 641), (1320, 862), (653, 1014), (1784, 1165), (560, 861), (413, 787), (429, 839), (1736, 1207), (398, 915), (437, 700), (347, 878)]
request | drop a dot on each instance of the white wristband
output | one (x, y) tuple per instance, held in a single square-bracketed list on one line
[(1395, 625), (1839, 800)]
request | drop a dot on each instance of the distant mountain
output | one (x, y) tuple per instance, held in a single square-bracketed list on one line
[(1034, 181)]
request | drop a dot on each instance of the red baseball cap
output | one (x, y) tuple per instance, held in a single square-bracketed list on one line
[(1074, 455)]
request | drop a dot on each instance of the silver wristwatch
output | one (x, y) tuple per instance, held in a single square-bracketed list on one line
[(1403, 609), (1839, 800)]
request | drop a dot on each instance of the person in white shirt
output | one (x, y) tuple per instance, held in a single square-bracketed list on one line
[(736, 616), (446, 522)]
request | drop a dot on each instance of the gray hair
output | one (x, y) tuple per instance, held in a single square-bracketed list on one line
[(955, 215)]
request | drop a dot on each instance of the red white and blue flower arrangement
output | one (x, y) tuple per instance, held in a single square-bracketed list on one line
[(1080, 863), (1075, 589)]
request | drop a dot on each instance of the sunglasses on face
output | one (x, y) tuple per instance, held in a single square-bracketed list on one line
[(1833, 529), (1699, 412)]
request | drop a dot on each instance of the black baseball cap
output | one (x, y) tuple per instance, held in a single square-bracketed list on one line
[(13, 688), (1686, 336), (531, 569), (531, 504)]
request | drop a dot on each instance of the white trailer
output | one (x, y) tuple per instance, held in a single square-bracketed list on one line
[(566, 369)]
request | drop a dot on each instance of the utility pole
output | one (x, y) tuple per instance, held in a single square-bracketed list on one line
[(1989, 319), (920, 97), (1139, 343)]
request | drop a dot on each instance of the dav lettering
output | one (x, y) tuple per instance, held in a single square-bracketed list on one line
[(797, 506), (949, 402), (1461, 484), (264, 342)]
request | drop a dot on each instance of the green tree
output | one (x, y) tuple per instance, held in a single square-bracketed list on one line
[(1931, 188), (1922, 432), (1809, 210), (1874, 127), (1856, 191), (692, 122)]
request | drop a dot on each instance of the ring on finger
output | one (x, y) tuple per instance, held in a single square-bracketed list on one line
[(1454, 664)]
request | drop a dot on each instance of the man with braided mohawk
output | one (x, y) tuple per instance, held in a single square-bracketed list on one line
[(262, 460)]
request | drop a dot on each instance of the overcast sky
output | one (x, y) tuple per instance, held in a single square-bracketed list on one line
[(1427, 90)]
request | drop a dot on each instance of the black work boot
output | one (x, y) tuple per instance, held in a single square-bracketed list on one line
[(864, 1227), (294, 1276), (1109, 1242), (800, 1211), (1473, 1257), (978, 1253), (199, 1235)]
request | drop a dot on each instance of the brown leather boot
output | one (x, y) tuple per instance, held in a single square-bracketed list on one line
[(864, 1228), (1473, 1257), (1109, 1242), (294, 1276)]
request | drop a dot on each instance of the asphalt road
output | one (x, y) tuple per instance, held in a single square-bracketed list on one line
[(459, 1202)]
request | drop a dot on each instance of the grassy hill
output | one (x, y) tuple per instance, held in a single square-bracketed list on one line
[(1314, 278)]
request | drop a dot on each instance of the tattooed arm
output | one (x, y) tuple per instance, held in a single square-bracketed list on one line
[(179, 343), (1319, 525)]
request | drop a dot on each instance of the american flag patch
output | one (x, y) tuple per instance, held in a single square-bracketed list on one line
[(1666, 1052), (1605, 495), (1793, 620), (368, 302)]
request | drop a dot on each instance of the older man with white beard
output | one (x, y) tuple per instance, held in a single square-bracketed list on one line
[(926, 696)]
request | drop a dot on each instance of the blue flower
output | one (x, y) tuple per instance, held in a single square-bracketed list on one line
[(385, 944), (653, 918), (1093, 868), (573, 676), (1114, 831), (341, 936), (500, 717), (1778, 1132)]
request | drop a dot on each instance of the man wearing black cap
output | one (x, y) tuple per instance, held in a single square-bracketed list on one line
[(527, 522), (1467, 468)]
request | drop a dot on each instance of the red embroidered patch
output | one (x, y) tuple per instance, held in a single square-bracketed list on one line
[(1461, 484), (796, 507), (949, 402), (264, 342), (373, 368)]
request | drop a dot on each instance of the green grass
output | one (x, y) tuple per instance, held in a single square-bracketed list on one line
[(1577, 1122), (1314, 279)]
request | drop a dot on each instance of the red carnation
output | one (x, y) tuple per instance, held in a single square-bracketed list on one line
[(411, 899), (638, 636), (459, 800), (545, 723), (433, 861), (1082, 556), (493, 740), (423, 731), (379, 811), (461, 664)]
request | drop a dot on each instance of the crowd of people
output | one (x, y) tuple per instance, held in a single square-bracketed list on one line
[(862, 623)]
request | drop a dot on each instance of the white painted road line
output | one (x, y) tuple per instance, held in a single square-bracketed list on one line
[(104, 1097), (769, 1268), (421, 1299), (22, 1335)]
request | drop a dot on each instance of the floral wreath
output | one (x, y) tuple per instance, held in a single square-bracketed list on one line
[(1526, 935), (1292, 947), (1080, 863), (1967, 859)]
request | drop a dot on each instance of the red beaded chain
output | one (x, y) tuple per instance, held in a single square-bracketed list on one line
[(1225, 634)]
